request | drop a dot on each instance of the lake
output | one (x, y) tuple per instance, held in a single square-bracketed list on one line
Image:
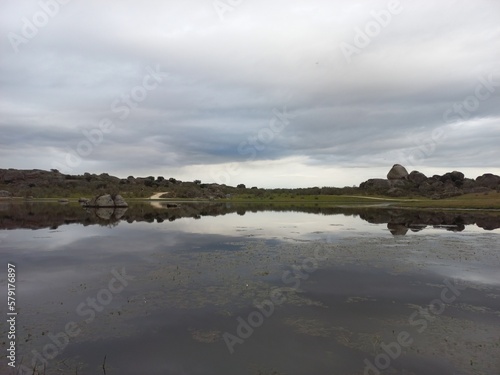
[(224, 288)]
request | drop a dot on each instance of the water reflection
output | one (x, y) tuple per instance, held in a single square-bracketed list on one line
[(399, 221), (194, 279)]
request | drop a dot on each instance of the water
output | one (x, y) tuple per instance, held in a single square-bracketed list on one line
[(225, 289)]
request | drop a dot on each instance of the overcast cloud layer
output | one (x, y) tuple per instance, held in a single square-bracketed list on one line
[(281, 93)]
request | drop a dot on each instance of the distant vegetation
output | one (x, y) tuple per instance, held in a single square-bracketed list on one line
[(399, 184), (53, 184)]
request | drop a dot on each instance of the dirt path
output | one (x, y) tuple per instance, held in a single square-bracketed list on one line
[(381, 199), (158, 195)]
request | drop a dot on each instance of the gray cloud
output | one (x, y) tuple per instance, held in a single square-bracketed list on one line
[(224, 78)]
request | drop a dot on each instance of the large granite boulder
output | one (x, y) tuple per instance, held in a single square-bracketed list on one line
[(399, 183), (455, 177), (106, 207), (417, 177), (120, 202), (106, 201), (469, 183), (397, 172), (375, 183), (488, 180), (396, 192), (103, 201), (425, 188)]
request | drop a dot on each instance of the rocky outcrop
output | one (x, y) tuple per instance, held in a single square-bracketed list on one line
[(106, 201), (399, 183), (417, 177), (455, 178), (488, 180), (54, 184), (375, 184), (397, 172), (106, 207)]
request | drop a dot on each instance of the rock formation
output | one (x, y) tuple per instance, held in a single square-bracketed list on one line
[(397, 172), (401, 183), (417, 177), (107, 207), (106, 201), (488, 180)]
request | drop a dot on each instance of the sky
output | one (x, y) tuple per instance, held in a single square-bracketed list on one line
[(280, 93)]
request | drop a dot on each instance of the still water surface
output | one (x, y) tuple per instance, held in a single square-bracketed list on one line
[(253, 291)]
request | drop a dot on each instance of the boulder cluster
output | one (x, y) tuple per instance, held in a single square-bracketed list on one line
[(105, 201), (41, 184), (106, 206), (32, 177), (401, 183)]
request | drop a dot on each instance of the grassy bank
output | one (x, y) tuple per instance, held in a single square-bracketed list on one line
[(468, 201)]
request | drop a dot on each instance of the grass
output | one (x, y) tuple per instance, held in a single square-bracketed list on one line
[(469, 201), (483, 201), (306, 198)]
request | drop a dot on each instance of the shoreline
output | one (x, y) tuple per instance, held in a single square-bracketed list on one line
[(452, 205)]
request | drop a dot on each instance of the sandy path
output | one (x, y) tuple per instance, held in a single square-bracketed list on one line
[(158, 195), (381, 199)]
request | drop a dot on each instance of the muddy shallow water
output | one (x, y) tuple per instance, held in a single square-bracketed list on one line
[(264, 292)]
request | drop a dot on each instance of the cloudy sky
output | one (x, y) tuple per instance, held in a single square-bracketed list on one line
[(280, 93)]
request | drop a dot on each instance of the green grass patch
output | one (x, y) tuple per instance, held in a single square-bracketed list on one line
[(489, 200), (313, 199), (469, 201)]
